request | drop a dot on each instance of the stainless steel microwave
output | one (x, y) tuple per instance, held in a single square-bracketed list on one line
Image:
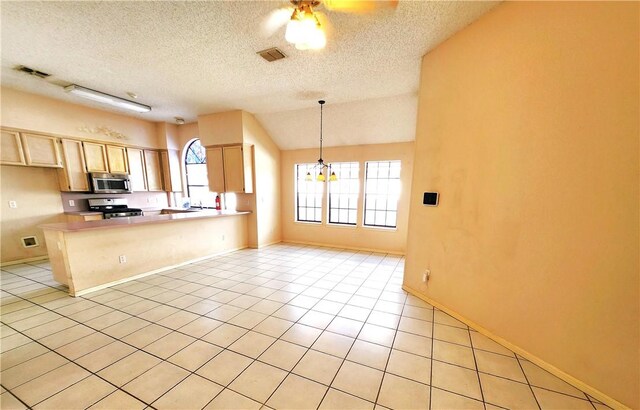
[(102, 183)]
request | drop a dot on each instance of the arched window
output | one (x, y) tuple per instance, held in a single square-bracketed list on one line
[(195, 164)]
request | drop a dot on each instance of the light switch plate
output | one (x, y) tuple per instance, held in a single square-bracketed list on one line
[(13, 204), (72, 202)]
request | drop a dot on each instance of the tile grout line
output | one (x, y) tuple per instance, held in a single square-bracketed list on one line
[(527, 380), (475, 362)]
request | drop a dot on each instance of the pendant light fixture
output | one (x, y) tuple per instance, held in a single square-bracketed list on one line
[(321, 177)]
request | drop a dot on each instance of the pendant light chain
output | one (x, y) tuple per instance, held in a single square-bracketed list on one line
[(321, 102)]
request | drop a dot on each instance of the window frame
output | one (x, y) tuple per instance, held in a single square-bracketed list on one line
[(202, 161), (309, 167), (333, 167), (386, 210)]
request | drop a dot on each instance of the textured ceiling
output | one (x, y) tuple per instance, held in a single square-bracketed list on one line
[(191, 58)]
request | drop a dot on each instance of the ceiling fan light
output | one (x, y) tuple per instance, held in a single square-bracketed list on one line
[(320, 177), (308, 178), (333, 177)]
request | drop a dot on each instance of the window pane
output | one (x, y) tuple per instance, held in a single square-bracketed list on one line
[(342, 209), (308, 194), (382, 190), (196, 174)]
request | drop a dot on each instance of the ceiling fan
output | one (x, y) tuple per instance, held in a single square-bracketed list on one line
[(304, 28)]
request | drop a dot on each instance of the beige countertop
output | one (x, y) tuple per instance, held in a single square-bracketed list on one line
[(82, 213), (138, 220)]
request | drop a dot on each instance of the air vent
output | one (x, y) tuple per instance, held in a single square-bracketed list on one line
[(29, 241), (31, 71), (271, 54)]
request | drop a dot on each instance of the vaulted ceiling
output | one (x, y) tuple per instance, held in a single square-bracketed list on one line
[(190, 58)]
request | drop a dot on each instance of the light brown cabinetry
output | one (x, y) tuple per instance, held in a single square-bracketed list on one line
[(11, 152), (153, 170), (136, 169), (41, 150), (96, 157), (73, 177), (215, 169), (171, 170), (117, 159), (237, 168), (230, 169)]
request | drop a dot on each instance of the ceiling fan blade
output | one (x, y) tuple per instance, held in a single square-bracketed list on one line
[(359, 6), (275, 20)]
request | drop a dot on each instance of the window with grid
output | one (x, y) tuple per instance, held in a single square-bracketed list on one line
[(308, 194), (381, 193), (343, 193), (195, 163)]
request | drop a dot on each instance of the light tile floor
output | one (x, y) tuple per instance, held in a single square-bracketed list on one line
[(286, 326)]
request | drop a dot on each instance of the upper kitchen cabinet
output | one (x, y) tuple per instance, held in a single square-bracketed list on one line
[(117, 159), (11, 152), (41, 150), (153, 169), (136, 169), (229, 168), (73, 177), (238, 170), (96, 157), (215, 169), (171, 170)]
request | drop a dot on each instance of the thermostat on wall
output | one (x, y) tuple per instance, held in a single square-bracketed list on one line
[(430, 198)]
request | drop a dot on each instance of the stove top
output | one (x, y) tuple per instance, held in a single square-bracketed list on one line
[(113, 207)]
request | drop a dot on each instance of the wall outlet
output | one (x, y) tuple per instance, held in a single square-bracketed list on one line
[(426, 275), (72, 202), (13, 204), (222, 237), (123, 259)]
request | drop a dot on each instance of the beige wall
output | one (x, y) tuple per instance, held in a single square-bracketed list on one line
[(378, 239), (38, 113), (528, 127), (38, 197), (221, 128), (266, 198)]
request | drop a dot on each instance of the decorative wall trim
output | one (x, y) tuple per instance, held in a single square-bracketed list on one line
[(593, 392)]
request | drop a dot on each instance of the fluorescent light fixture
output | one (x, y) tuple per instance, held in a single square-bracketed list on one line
[(105, 98)]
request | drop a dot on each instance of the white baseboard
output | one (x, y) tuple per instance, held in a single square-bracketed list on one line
[(351, 248), (26, 260)]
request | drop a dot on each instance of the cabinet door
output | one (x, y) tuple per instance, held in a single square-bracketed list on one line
[(233, 168), (11, 152), (74, 175), (41, 151), (117, 158), (171, 170), (154, 170), (136, 169), (215, 169), (96, 157)]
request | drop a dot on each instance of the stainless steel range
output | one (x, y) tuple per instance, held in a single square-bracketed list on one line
[(113, 208)]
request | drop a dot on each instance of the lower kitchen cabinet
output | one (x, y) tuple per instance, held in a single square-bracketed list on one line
[(73, 177)]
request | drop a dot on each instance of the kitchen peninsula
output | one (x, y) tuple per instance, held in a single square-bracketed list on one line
[(88, 256)]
